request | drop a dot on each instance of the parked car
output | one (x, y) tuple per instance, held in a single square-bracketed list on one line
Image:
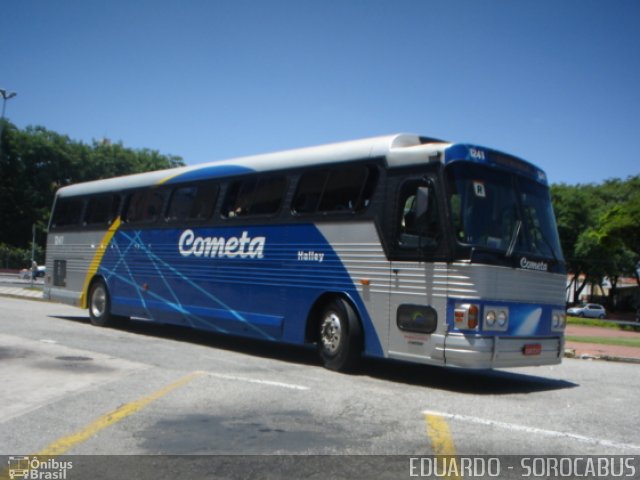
[(590, 310), (27, 273)]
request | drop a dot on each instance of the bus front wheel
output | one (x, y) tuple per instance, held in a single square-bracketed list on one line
[(100, 305), (340, 336)]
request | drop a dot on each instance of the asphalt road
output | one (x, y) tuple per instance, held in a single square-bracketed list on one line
[(71, 388)]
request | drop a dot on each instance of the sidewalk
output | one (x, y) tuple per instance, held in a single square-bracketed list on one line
[(21, 292), (599, 351)]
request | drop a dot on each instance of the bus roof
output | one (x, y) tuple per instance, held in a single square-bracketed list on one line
[(375, 147), (398, 150)]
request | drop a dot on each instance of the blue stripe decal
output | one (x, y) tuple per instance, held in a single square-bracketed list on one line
[(249, 281), (207, 173), (149, 256), (117, 281)]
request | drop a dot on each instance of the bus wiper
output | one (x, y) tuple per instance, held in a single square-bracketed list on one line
[(514, 238)]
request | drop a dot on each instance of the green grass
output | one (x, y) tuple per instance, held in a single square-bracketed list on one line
[(623, 342), (592, 322)]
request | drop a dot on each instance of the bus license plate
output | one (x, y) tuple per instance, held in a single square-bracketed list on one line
[(532, 349)]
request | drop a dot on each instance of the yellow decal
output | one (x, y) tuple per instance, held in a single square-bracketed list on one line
[(167, 178), (97, 259)]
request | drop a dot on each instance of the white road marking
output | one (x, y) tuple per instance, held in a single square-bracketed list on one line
[(290, 386), (533, 430)]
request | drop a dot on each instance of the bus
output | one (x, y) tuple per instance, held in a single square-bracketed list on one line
[(402, 247)]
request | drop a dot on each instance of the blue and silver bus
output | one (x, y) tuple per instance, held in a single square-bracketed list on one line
[(401, 247)]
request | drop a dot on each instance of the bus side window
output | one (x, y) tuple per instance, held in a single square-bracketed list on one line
[(368, 188), (145, 206), (155, 202), (310, 188), (180, 204), (135, 207), (254, 196), (68, 212), (268, 195), (204, 201), (342, 189), (195, 202), (238, 199), (102, 209)]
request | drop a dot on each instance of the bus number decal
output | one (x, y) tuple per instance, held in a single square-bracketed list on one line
[(477, 154)]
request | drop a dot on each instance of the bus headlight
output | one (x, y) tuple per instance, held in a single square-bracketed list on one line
[(503, 318), (558, 320), (490, 318), (496, 318)]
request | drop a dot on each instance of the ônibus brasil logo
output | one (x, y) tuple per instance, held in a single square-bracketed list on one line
[(212, 247), (33, 468)]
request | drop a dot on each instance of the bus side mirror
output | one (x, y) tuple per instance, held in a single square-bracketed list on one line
[(422, 204)]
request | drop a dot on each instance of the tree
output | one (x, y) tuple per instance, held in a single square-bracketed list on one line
[(35, 162), (599, 227), (574, 206), (620, 226)]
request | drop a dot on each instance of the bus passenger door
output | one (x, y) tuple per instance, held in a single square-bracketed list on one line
[(416, 299)]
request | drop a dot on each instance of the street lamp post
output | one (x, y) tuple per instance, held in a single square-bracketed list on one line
[(6, 95)]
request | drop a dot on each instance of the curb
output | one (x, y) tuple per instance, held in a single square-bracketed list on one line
[(20, 296), (571, 353), (27, 291)]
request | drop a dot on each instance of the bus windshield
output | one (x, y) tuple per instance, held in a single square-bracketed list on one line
[(501, 211)]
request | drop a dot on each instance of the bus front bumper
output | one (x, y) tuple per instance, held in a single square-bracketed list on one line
[(477, 351)]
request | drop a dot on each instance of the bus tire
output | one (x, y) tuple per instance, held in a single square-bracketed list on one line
[(100, 305), (339, 336)]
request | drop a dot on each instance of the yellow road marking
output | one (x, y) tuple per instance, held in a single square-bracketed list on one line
[(441, 439), (439, 434), (65, 443)]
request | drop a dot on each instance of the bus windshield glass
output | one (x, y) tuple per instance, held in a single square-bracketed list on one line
[(501, 211)]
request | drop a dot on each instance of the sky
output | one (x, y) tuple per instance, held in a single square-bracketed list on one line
[(556, 82)]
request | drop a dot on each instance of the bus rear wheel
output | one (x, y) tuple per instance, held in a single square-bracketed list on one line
[(100, 305), (340, 336)]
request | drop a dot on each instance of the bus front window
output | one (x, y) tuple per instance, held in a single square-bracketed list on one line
[(501, 211)]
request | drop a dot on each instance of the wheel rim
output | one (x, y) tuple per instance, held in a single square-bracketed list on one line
[(331, 333), (98, 301)]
